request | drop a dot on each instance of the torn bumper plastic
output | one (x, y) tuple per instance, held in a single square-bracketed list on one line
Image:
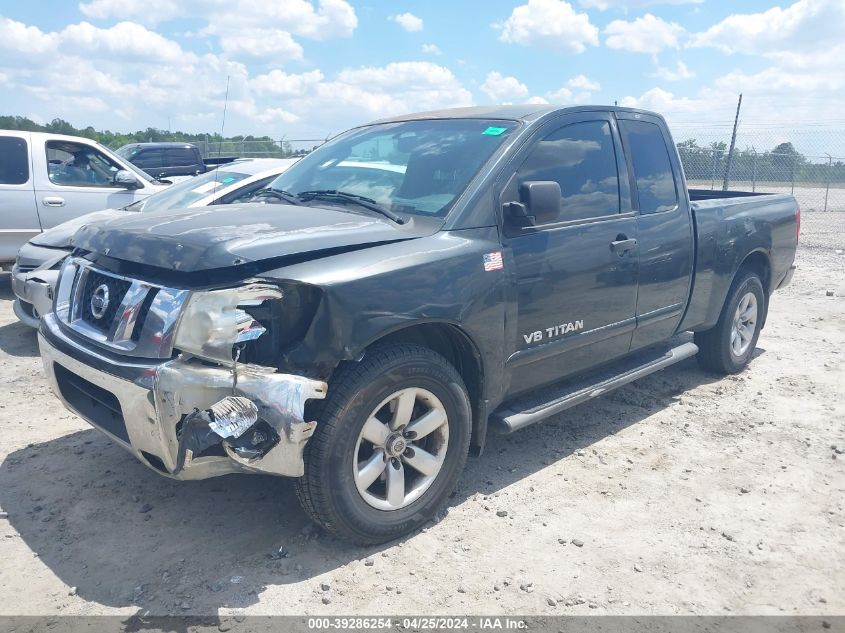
[(182, 417)]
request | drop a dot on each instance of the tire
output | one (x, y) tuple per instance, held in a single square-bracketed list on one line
[(334, 490), (719, 349)]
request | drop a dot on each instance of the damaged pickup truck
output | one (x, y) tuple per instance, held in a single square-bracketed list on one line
[(404, 287)]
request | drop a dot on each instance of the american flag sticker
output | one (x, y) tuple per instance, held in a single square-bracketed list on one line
[(493, 261)]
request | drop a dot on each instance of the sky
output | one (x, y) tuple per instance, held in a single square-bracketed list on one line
[(309, 69)]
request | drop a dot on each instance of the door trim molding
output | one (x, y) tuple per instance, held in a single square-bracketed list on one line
[(568, 343), (660, 314)]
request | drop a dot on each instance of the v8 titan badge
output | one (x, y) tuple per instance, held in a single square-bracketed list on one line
[(493, 261)]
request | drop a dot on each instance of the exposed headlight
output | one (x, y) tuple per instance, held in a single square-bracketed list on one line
[(213, 321)]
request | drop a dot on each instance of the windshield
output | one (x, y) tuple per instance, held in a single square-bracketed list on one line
[(185, 193), (418, 167)]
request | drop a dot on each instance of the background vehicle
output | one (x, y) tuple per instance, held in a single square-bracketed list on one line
[(503, 264), (47, 179), (168, 160), (39, 260)]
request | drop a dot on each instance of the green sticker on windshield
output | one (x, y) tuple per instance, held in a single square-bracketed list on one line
[(495, 131), (226, 181)]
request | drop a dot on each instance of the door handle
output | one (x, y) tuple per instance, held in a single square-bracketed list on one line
[(622, 244), (53, 201)]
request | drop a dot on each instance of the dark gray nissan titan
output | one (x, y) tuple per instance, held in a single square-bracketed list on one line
[(404, 287)]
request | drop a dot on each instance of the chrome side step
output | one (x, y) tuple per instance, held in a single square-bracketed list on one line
[(523, 412)]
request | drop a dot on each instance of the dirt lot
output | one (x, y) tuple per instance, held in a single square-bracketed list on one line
[(683, 493)]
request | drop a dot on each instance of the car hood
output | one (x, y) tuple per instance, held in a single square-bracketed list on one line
[(59, 236), (220, 236)]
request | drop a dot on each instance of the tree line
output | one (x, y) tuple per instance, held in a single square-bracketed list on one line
[(783, 163), (211, 143)]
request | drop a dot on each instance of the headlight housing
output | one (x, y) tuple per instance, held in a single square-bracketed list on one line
[(213, 321)]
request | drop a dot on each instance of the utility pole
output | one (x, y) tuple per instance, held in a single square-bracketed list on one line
[(731, 150)]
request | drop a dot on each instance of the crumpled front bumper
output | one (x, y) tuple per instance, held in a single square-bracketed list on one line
[(33, 294), (146, 407)]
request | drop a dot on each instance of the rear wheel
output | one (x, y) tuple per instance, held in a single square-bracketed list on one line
[(391, 441), (728, 346)]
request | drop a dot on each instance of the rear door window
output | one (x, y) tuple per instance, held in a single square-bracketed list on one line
[(179, 157), (14, 161), (646, 146)]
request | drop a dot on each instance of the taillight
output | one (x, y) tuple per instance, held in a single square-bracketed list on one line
[(797, 223)]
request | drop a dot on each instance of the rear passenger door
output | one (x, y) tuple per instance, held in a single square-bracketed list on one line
[(180, 161), (575, 277), (664, 227), (18, 212)]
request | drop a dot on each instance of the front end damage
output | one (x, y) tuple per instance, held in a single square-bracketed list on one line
[(161, 374), (254, 415)]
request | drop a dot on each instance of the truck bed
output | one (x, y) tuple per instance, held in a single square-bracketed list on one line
[(713, 194), (748, 223)]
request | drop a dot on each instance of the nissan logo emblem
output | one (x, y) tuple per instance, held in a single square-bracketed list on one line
[(100, 301)]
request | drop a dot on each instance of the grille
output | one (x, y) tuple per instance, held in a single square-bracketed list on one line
[(138, 319), (116, 290), (26, 268)]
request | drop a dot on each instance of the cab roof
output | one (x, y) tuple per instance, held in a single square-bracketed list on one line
[(526, 112)]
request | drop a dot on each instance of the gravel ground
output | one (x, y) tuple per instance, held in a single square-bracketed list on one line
[(682, 493)]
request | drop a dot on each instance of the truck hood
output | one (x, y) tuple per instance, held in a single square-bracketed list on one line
[(220, 236), (59, 236)]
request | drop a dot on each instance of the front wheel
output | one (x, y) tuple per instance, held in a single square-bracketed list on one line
[(727, 347), (391, 441)]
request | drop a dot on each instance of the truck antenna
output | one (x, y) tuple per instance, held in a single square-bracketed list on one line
[(222, 127), (223, 124)]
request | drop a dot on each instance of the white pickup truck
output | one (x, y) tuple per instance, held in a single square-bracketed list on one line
[(47, 179)]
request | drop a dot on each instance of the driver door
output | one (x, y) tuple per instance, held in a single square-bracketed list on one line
[(64, 192), (575, 273)]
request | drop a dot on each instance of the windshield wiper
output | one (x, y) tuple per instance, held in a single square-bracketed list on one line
[(361, 201), (279, 194)]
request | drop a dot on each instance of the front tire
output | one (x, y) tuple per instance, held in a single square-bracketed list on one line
[(727, 347), (392, 439)]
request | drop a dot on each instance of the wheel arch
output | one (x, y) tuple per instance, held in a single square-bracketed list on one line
[(758, 262), (455, 345)]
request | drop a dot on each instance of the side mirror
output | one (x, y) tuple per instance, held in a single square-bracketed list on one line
[(540, 203), (126, 179), (542, 197)]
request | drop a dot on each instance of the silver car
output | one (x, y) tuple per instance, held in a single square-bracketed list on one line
[(39, 260)]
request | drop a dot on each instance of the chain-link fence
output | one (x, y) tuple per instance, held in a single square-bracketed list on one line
[(251, 148), (808, 163)]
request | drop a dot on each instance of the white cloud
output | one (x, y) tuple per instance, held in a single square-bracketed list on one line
[(329, 19), (502, 89), (804, 24), (407, 21), (281, 84), (125, 40), (646, 34), (679, 73), (431, 49), (246, 29), (261, 44), (18, 37), (537, 100), (552, 24), (146, 11), (603, 5), (560, 96), (582, 82)]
